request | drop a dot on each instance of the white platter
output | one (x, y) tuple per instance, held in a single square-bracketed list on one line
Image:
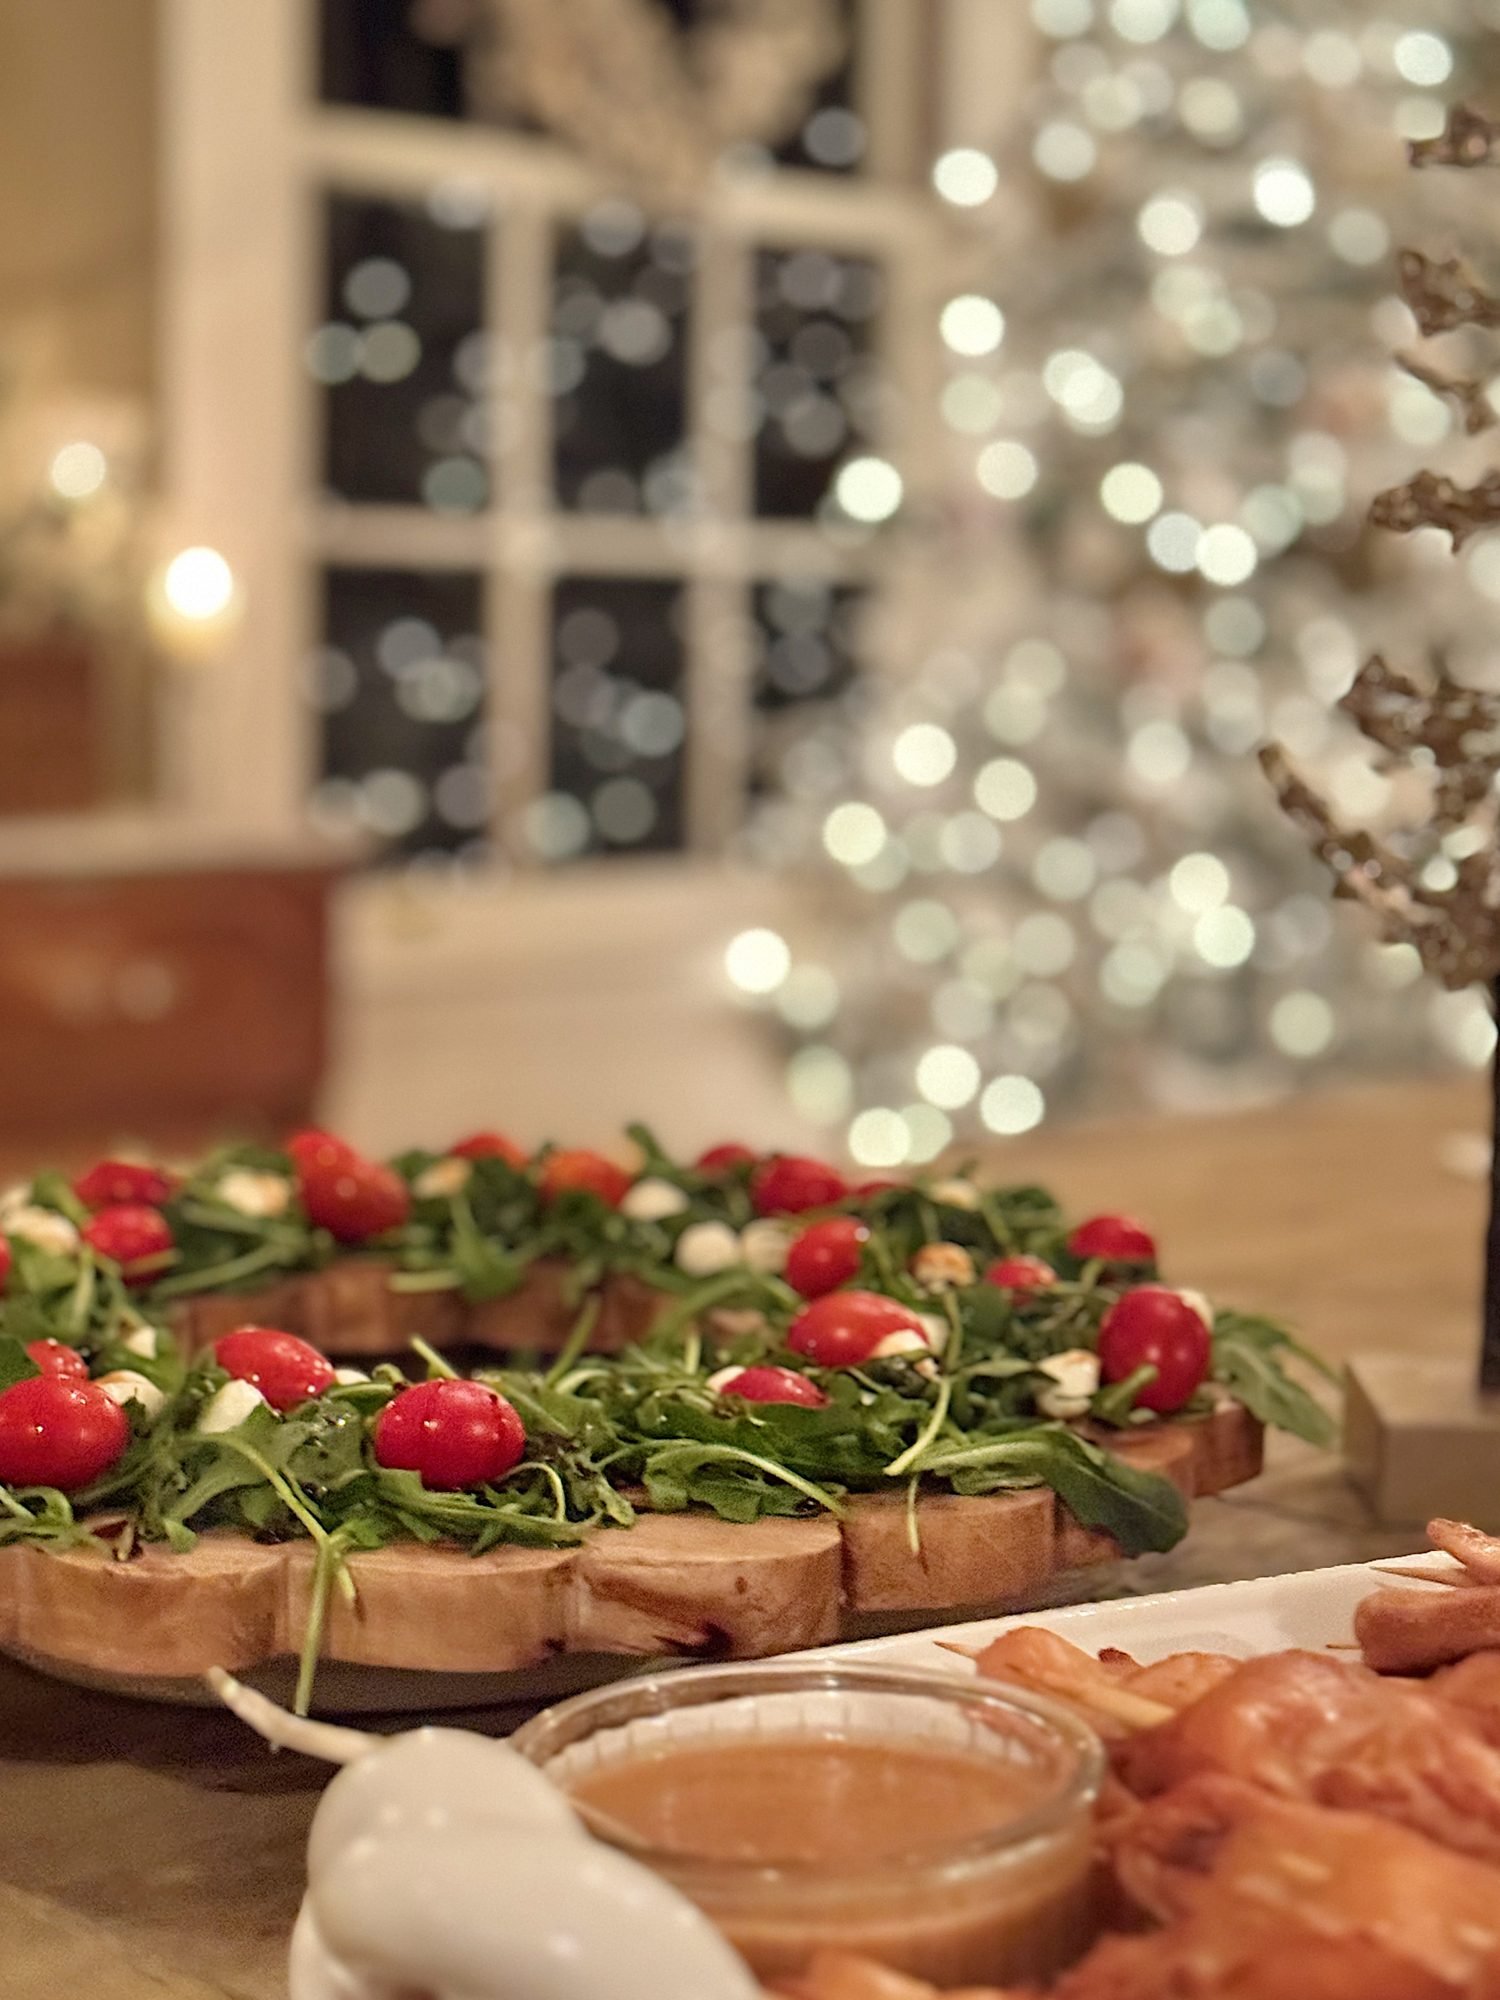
[(1312, 1609)]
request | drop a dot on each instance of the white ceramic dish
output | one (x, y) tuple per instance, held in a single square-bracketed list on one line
[(1312, 1609)]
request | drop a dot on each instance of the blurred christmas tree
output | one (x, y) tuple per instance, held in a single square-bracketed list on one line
[(1055, 879)]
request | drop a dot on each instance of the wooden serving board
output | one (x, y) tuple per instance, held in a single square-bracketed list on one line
[(675, 1585)]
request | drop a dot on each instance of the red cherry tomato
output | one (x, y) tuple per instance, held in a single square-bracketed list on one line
[(864, 1189), (724, 1159), (488, 1146), (287, 1371), (844, 1328), (825, 1255), (789, 1183), (775, 1385), (317, 1148), (1116, 1239), (352, 1198), (55, 1432), (453, 1433), (55, 1357), (577, 1167), (1155, 1325), (109, 1183), (131, 1235), (1020, 1274)]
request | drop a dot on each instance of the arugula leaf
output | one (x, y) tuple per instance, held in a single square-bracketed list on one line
[(1141, 1510), (16, 1365), (1247, 1359)]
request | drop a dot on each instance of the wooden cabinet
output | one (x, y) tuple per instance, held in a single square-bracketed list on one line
[(157, 984)]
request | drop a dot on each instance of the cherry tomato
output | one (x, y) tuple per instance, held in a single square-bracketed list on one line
[(55, 1357), (1020, 1274), (724, 1159), (844, 1328), (1116, 1239), (109, 1183), (453, 1433), (317, 1148), (864, 1189), (775, 1385), (489, 1146), (55, 1432), (133, 1236), (825, 1255), (351, 1197), (287, 1371), (1155, 1326), (790, 1183), (577, 1167)]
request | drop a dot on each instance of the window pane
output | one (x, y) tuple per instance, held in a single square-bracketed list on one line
[(618, 720), (399, 688), (619, 364), (817, 384), (403, 354), (390, 55), (830, 137), (805, 685)]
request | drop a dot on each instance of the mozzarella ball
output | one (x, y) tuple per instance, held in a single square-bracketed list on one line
[(706, 1248), (1200, 1306), (955, 1193), (1075, 1376), (227, 1408), (248, 1191), (905, 1340), (442, 1179), (939, 1267), (142, 1342), (764, 1245), (347, 1377), (653, 1200), (124, 1385), (44, 1228)]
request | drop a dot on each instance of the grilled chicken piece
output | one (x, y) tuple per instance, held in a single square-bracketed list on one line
[(1113, 1692), (1474, 1686), (1204, 1960), (1308, 1727), (1478, 1552), (1408, 1631), (837, 1975)]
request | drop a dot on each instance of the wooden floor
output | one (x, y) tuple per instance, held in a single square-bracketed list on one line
[(151, 1854)]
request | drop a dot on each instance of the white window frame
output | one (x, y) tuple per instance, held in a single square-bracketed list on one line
[(248, 154)]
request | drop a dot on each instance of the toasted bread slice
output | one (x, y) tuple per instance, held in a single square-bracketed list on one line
[(673, 1583)]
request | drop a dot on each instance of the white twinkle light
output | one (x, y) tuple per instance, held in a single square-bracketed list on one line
[(868, 490), (198, 584), (879, 1138), (1283, 193), (1199, 882), (965, 176), (854, 833), (948, 1076), (1224, 937), (1012, 1104), (1005, 789), (1131, 493), (77, 470), (971, 325), (757, 961), (1007, 469), (924, 754)]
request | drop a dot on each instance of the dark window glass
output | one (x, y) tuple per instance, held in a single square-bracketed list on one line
[(399, 688), (618, 720), (618, 364), (403, 355), (805, 685), (393, 55), (817, 388), (830, 137)]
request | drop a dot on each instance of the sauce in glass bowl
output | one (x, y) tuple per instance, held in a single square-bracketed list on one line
[(937, 1825)]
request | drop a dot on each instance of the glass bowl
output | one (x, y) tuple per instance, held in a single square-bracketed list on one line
[(849, 1865)]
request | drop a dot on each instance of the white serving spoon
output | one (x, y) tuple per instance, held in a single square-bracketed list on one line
[(442, 1863)]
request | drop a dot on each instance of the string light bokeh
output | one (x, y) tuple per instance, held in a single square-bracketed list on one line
[(1054, 880)]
